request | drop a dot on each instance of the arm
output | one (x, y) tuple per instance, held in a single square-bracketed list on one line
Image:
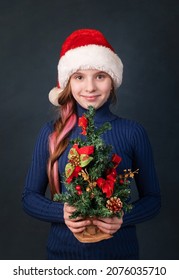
[(34, 201), (148, 204)]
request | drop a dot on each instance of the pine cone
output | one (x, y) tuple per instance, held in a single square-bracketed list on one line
[(114, 204)]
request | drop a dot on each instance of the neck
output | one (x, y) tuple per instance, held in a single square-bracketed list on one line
[(102, 114)]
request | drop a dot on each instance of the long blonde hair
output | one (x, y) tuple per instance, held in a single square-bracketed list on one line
[(58, 140)]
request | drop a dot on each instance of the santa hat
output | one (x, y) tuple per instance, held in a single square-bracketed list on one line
[(86, 49)]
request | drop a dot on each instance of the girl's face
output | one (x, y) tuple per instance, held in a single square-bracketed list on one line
[(91, 87)]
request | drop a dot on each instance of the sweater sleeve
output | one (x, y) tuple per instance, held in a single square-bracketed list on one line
[(34, 201), (148, 203)]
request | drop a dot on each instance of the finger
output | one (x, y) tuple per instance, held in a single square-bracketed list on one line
[(67, 216), (114, 220), (77, 230), (109, 228), (102, 224), (108, 231), (78, 224)]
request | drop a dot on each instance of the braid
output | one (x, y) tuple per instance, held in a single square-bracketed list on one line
[(58, 140)]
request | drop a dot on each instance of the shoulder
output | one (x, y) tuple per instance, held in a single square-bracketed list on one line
[(47, 128), (44, 133), (137, 132), (127, 124), (42, 139), (131, 130)]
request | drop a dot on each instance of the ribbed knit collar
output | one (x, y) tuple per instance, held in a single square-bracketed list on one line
[(103, 114)]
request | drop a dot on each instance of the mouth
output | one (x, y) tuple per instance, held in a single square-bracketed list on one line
[(90, 97)]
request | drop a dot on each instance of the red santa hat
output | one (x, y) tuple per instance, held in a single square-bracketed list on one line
[(86, 49)]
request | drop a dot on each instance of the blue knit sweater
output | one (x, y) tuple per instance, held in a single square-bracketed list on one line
[(130, 141)]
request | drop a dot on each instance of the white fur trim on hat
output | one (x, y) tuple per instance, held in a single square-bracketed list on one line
[(90, 57)]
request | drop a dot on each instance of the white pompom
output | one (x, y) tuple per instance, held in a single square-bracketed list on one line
[(54, 95)]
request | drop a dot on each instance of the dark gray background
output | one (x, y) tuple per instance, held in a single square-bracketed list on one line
[(144, 34)]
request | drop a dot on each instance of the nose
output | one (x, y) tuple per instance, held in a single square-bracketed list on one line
[(90, 85)]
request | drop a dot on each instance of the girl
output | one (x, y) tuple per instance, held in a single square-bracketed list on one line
[(89, 72)]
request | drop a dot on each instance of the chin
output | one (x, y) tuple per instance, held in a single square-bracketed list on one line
[(96, 106), (86, 105)]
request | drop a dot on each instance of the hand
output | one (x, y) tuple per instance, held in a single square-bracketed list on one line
[(108, 225), (75, 225)]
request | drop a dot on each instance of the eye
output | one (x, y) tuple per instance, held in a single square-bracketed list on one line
[(78, 77), (101, 76)]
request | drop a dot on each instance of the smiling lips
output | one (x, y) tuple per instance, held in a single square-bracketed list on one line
[(90, 97)]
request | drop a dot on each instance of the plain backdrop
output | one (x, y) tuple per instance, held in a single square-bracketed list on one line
[(144, 33)]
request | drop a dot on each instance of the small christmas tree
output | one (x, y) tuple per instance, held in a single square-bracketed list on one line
[(93, 186)]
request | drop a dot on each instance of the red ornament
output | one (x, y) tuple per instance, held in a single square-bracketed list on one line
[(84, 150), (121, 182), (78, 188), (74, 174), (116, 160), (83, 123), (107, 186), (79, 192)]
